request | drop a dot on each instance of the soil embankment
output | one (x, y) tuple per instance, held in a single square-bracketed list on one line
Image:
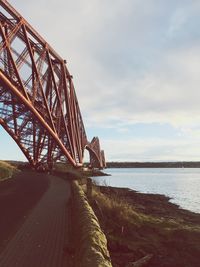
[(18, 196), (147, 225)]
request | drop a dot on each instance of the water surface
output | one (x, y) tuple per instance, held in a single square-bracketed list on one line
[(181, 185)]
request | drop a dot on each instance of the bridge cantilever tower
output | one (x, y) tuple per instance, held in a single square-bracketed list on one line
[(38, 104)]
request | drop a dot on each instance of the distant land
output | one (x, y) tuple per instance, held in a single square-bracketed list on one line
[(128, 164), (178, 164)]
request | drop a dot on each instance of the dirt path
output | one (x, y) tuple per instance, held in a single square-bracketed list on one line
[(40, 240)]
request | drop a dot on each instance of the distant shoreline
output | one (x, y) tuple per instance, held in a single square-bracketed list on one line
[(134, 164), (178, 164)]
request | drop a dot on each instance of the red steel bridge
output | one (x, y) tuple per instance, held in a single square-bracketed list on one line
[(38, 104)]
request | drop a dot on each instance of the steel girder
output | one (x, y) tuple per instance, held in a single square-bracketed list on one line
[(38, 104)]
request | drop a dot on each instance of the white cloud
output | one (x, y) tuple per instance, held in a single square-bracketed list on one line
[(168, 93), (132, 61), (152, 149)]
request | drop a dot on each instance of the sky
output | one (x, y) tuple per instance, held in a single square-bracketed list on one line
[(136, 69)]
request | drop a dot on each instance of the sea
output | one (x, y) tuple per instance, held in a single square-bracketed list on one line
[(182, 185)]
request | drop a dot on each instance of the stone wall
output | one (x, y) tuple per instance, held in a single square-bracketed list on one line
[(91, 244)]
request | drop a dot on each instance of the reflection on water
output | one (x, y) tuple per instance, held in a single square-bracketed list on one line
[(182, 185)]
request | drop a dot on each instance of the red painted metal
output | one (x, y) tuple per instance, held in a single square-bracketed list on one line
[(38, 104)]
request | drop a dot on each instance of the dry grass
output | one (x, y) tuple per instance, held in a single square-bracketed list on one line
[(66, 170), (6, 170), (125, 213), (130, 230)]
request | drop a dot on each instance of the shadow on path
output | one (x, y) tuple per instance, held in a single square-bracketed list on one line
[(40, 240)]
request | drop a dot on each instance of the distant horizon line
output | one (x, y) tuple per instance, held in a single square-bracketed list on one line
[(126, 161)]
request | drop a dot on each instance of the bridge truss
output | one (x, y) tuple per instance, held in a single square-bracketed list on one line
[(38, 104)]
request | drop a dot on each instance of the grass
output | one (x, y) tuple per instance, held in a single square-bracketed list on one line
[(6, 170), (66, 169), (126, 214), (75, 173), (130, 230)]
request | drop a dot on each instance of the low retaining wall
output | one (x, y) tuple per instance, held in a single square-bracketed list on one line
[(91, 245)]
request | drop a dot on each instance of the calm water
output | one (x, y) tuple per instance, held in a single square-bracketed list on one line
[(182, 185)]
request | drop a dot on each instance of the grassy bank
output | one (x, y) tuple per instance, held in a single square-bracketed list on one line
[(63, 169), (6, 170), (138, 225)]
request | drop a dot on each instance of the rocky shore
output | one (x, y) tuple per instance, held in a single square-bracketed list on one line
[(146, 229)]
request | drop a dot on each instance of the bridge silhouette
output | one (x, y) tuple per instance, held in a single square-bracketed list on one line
[(38, 104)]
